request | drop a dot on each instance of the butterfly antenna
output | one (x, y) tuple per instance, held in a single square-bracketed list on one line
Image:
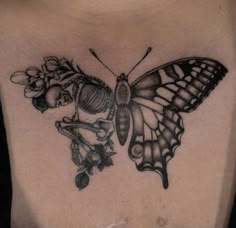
[(95, 55), (147, 52)]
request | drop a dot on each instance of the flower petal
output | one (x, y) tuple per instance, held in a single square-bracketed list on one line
[(47, 58), (51, 65), (63, 61), (33, 93), (39, 84), (33, 72), (20, 77)]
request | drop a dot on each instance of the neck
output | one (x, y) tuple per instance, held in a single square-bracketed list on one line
[(98, 10)]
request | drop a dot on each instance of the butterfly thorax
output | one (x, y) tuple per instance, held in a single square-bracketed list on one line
[(122, 91)]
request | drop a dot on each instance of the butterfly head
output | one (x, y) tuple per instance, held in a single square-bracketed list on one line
[(122, 77)]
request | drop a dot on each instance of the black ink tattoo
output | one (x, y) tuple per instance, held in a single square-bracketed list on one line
[(149, 108)]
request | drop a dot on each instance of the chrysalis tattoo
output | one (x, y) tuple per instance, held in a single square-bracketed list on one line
[(149, 108)]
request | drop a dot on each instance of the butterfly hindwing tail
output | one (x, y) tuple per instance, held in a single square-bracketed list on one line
[(155, 138)]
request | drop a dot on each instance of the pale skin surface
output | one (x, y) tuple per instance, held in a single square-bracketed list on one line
[(201, 175)]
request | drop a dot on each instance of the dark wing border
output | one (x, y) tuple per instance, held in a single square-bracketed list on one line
[(176, 62)]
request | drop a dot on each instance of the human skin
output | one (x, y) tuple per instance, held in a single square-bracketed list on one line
[(201, 174)]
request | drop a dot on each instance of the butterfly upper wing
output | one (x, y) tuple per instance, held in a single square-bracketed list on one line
[(158, 97)]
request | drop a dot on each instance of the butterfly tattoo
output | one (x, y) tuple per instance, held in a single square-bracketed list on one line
[(145, 113)]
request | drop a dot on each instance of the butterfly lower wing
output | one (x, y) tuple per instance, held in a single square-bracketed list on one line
[(158, 97), (156, 135)]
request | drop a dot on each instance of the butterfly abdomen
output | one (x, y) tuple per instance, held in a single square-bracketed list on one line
[(122, 123), (122, 97)]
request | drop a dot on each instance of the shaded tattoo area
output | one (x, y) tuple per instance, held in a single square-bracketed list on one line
[(148, 109), (58, 83), (45, 85)]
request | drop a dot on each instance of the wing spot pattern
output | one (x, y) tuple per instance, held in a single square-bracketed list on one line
[(177, 98), (167, 134), (162, 142), (184, 93), (137, 151), (165, 93), (188, 79), (162, 100), (191, 62), (181, 83), (179, 71), (195, 91), (209, 62), (207, 73), (170, 72), (197, 69), (194, 74), (147, 152), (198, 84), (190, 91), (178, 102), (171, 87), (210, 68)]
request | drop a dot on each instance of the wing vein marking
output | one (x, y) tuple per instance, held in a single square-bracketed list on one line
[(152, 146), (171, 72), (201, 75), (168, 145), (160, 96), (175, 92), (160, 113), (174, 123), (145, 102), (192, 85), (193, 95), (195, 78)]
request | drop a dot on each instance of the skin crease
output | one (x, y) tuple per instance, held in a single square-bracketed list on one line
[(100, 10), (202, 172)]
